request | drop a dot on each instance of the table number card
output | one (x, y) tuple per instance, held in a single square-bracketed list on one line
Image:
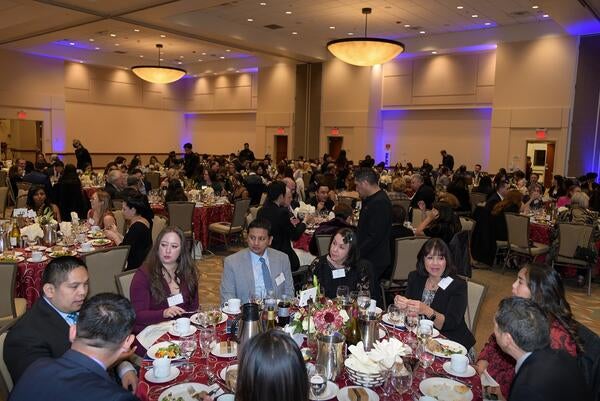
[(305, 295)]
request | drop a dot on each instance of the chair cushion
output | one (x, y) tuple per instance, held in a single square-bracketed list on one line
[(20, 306), (224, 228), (536, 249), (570, 261)]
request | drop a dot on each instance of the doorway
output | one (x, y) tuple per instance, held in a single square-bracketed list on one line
[(20, 138), (281, 147), (335, 146), (542, 160)]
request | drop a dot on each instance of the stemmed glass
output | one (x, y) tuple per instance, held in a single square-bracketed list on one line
[(412, 320), (401, 377), (343, 294), (363, 301), (188, 346), (395, 315), (206, 338), (385, 367), (425, 357), (424, 333), (203, 316), (317, 380)]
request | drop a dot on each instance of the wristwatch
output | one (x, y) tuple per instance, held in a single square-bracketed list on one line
[(432, 317)]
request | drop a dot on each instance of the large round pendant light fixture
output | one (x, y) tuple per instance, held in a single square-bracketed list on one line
[(158, 74), (365, 52)]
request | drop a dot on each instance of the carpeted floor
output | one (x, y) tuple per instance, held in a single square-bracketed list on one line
[(586, 309)]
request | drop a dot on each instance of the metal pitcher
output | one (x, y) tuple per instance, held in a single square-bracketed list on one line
[(330, 354), (4, 240), (368, 325), (50, 235), (247, 325)]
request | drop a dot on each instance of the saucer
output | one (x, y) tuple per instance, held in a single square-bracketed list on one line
[(230, 312), (468, 373), (43, 259), (81, 250), (150, 376), (330, 392), (173, 331)]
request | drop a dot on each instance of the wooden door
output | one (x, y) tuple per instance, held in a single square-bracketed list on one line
[(549, 169), (335, 146), (281, 147)]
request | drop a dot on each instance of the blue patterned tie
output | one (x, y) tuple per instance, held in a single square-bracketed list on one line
[(266, 275), (72, 317)]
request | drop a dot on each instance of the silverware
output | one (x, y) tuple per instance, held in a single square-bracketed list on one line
[(228, 346), (439, 374)]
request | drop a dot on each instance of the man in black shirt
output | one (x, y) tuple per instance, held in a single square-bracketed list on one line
[(374, 226), (423, 192), (82, 155), (190, 160), (447, 160), (246, 154)]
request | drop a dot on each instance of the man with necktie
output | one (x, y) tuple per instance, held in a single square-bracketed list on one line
[(257, 269), (44, 329)]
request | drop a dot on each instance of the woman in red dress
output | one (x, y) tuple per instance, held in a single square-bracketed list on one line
[(543, 285)]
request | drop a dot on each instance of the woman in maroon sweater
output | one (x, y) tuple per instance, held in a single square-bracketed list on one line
[(543, 285), (166, 285)]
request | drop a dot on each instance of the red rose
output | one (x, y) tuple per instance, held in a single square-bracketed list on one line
[(329, 318)]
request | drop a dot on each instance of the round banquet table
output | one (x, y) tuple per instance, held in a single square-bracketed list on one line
[(150, 392), (28, 283), (203, 217)]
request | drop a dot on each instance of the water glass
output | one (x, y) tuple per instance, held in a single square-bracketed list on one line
[(401, 378), (385, 367), (343, 294), (188, 346), (424, 333), (395, 315), (412, 320), (206, 338), (318, 380)]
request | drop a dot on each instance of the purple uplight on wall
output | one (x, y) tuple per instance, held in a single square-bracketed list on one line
[(186, 133), (586, 27)]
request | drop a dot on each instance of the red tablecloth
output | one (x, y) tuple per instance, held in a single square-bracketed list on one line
[(203, 217), (540, 233), (303, 242), (150, 392), (29, 278)]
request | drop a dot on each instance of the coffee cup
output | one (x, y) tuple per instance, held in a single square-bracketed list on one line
[(95, 229), (182, 325), (37, 256), (161, 367), (459, 363), (86, 246), (426, 322), (233, 305)]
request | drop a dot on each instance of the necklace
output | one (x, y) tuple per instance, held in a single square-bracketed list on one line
[(430, 284)]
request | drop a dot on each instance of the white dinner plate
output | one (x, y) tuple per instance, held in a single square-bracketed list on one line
[(468, 373), (442, 389), (15, 259), (452, 345), (36, 248), (173, 331), (216, 350), (17, 253), (385, 319), (226, 397), (152, 350), (59, 254), (43, 259), (342, 395), (96, 235), (149, 376), (331, 391), (101, 242), (225, 369), (81, 250), (229, 312), (436, 332), (194, 318), (182, 390)]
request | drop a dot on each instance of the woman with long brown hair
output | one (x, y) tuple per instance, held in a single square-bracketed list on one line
[(100, 214), (166, 285)]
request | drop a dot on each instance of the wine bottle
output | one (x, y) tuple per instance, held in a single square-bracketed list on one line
[(15, 234), (270, 318), (353, 332)]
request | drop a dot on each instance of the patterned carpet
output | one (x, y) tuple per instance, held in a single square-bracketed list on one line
[(586, 309)]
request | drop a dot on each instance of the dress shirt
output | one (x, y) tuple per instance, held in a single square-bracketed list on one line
[(62, 314), (520, 361), (259, 283)]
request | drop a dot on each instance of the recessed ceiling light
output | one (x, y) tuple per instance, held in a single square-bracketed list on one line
[(204, 54), (288, 12), (434, 52), (163, 36), (263, 4), (237, 70), (97, 48), (161, 59), (180, 62), (180, 56), (72, 43), (350, 33), (407, 25), (113, 35), (227, 50), (81, 61), (199, 59), (474, 16), (460, 7), (487, 24), (422, 32), (141, 56), (92, 40), (535, 7), (136, 30), (222, 57), (545, 15), (116, 44), (250, 20), (294, 33)]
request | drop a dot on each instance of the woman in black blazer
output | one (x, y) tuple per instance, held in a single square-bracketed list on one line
[(437, 293)]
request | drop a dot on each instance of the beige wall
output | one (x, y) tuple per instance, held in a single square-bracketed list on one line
[(221, 133), (534, 88)]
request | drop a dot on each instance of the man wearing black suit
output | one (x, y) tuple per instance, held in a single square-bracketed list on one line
[(423, 193), (374, 226), (284, 228), (447, 160), (115, 183), (43, 332), (102, 332), (321, 201), (191, 160), (523, 332), (497, 196)]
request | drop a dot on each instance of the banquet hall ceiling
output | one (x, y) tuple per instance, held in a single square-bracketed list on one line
[(238, 34)]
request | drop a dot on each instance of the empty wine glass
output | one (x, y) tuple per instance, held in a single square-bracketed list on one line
[(363, 300), (342, 293), (412, 320), (206, 337), (203, 316), (401, 378), (426, 358), (318, 380), (188, 346), (424, 333), (385, 368), (395, 315)]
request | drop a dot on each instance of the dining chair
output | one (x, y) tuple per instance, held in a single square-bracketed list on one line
[(6, 382), (158, 223), (570, 237), (181, 214), (236, 226), (475, 295), (405, 203), (120, 221), (345, 200), (123, 281), (323, 242), (21, 199), (10, 307), (518, 239), (153, 178), (476, 198), (3, 200), (417, 217), (466, 223), (102, 267), (3, 178), (407, 249)]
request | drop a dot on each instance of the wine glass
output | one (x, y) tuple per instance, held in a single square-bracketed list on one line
[(395, 315), (363, 300), (412, 320), (342, 293), (385, 367), (318, 380), (401, 378), (426, 358), (206, 338), (188, 346), (424, 333), (203, 317)]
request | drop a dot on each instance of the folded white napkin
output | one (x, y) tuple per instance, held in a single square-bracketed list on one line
[(65, 228), (388, 350), (33, 231), (487, 380), (152, 333)]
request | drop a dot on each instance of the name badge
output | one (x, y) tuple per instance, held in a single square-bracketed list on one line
[(175, 300), (279, 279), (445, 282), (338, 273)]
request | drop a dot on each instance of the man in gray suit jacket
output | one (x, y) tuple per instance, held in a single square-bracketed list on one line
[(257, 269)]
